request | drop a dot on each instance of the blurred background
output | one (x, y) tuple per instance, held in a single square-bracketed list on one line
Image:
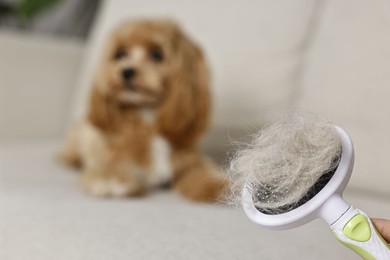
[(42, 44), (59, 18), (326, 56)]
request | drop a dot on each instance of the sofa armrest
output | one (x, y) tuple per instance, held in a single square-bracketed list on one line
[(36, 80)]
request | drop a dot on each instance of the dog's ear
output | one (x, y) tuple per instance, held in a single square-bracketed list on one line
[(101, 111), (186, 107)]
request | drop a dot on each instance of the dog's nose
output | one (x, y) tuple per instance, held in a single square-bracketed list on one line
[(128, 73)]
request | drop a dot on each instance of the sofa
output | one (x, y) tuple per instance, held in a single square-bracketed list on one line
[(330, 57)]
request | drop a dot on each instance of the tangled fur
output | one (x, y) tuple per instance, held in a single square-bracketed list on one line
[(284, 160)]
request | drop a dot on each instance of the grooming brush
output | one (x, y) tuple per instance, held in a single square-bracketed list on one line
[(295, 171)]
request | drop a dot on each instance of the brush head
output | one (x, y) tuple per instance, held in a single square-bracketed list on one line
[(287, 163), (262, 193)]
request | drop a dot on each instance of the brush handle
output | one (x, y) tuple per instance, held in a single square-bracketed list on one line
[(356, 231)]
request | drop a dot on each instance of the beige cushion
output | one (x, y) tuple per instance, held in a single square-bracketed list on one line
[(37, 77), (347, 78), (44, 215)]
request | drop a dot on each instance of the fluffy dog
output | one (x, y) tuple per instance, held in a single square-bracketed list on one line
[(149, 106)]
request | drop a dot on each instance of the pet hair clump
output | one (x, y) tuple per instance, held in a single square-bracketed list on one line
[(284, 161)]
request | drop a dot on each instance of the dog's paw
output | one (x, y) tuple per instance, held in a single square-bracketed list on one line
[(112, 184)]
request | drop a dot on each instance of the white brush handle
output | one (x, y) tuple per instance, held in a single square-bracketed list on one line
[(356, 231)]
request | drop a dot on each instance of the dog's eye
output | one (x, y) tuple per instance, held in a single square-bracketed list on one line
[(156, 55), (120, 54)]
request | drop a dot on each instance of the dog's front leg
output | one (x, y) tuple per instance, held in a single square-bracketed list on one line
[(117, 179), (105, 172)]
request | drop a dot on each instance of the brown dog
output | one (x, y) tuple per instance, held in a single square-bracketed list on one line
[(148, 108)]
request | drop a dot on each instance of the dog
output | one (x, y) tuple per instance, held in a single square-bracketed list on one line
[(149, 107)]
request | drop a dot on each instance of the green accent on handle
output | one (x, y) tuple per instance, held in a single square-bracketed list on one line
[(358, 229), (360, 251)]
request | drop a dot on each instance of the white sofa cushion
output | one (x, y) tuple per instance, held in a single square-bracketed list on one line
[(37, 76), (44, 216), (347, 78)]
